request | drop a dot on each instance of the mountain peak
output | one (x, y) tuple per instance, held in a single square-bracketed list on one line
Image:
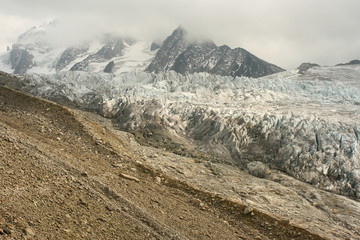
[(185, 57), (179, 31), (171, 48)]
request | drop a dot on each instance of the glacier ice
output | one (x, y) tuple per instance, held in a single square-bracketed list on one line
[(306, 125)]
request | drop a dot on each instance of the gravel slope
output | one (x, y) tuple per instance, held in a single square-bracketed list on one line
[(66, 177)]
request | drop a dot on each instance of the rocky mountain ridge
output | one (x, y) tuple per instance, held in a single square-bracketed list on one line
[(352, 62), (186, 57), (34, 54)]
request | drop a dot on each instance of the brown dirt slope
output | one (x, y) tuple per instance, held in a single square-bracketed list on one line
[(60, 180)]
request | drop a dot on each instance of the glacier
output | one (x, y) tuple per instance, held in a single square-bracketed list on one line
[(306, 125)]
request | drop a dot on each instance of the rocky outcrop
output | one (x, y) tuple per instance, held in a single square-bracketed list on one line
[(69, 55), (112, 48), (352, 62), (21, 60), (154, 46), (109, 67), (306, 66)]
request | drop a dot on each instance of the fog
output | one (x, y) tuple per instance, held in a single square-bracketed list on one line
[(282, 32)]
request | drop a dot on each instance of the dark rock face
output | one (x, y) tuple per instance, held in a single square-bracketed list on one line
[(352, 62), (197, 58), (81, 66), (305, 66), (183, 57), (68, 56), (224, 61), (154, 46), (21, 60), (109, 67), (113, 48), (171, 48)]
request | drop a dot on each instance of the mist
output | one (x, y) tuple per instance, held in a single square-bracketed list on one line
[(282, 32)]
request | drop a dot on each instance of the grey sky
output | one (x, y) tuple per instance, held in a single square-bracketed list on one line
[(284, 32)]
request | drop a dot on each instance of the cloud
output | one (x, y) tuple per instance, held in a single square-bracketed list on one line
[(11, 27), (283, 32)]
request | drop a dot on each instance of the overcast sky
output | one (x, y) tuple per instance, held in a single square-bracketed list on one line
[(283, 32)]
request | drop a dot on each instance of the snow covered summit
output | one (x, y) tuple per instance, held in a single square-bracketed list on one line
[(33, 53)]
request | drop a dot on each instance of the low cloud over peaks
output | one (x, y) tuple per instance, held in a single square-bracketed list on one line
[(280, 31)]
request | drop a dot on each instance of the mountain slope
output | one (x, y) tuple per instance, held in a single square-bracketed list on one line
[(36, 52), (303, 124), (112, 48), (65, 177), (182, 56)]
